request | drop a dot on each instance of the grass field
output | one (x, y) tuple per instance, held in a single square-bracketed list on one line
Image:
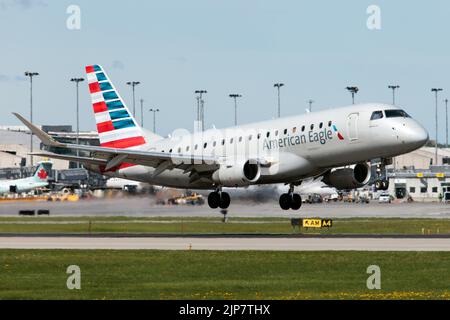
[(214, 225), (41, 274)]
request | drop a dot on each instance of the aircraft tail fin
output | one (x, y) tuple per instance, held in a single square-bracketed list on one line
[(43, 171), (116, 125)]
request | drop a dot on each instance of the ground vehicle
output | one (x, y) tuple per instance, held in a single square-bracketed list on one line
[(384, 198), (313, 198), (192, 198)]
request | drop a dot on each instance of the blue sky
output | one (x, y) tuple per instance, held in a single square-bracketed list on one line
[(316, 48)]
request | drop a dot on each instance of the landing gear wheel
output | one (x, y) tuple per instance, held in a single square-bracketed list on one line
[(214, 200), (382, 185), (285, 201), (378, 185), (225, 200), (296, 201)]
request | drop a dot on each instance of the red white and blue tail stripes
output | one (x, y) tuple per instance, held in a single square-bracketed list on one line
[(115, 124)]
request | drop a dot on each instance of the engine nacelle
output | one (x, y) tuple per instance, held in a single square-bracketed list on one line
[(348, 178), (242, 173)]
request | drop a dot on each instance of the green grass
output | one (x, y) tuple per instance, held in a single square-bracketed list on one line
[(214, 225), (41, 274)]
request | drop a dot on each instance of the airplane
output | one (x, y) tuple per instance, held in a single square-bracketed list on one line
[(38, 180), (317, 187), (284, 150), (123, 184), (263, 193)]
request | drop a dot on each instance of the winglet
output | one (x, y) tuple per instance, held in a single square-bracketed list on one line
[(44, 137)]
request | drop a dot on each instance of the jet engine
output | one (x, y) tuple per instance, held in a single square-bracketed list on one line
[(241, 173), (348, 178)]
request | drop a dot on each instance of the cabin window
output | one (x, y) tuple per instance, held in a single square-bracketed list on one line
[(240, 139), (231, 140), (205, 145), (312, 127), (396, 113), (412, 190), (330, 123), (294, 129), (196, 147), (376, 115), (223, 142), (179, 150), (268, 134), (170, 151), (259, 136), (320, 125), (250, 138), (276, 132), (214, 144), (285, 131), (303, 128), (187, 148)]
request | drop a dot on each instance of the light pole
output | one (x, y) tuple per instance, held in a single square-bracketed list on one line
[(393, 92), (436, 90), (310, 102), (154, 118), (31, 75), (133, 84), (446, 123), (142, 112), (394, 87), (278, 86), (235, 96), (200, 108), (77, 81), (353, 91)]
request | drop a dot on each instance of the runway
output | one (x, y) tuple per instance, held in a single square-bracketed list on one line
[(228, 243), (146, 207)]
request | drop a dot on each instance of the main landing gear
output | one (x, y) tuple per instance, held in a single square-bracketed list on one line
[(290, 200), (219, 199)]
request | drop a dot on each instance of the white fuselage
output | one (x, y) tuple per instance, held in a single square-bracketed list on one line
[(21, 185), (296, 147)]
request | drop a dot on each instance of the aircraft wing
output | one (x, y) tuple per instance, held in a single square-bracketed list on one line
[(112, 157)]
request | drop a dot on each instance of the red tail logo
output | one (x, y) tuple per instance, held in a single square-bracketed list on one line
[(42, 174)]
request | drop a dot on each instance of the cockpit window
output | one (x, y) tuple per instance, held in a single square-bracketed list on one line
[(376, 115), (396, 113)]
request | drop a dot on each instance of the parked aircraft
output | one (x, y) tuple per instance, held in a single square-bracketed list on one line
[(38, 180)]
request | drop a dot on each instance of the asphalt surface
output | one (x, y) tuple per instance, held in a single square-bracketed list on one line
[(142, 206), (227, 243), (145, 206)]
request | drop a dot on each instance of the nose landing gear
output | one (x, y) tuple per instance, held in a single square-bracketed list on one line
[(219, 199), (381, 180), (382, 184), (290, 200)]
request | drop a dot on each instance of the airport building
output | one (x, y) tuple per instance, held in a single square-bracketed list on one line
[(15, 145), (15, 162), (414, 175)]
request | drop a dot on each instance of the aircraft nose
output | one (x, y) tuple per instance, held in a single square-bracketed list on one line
[(416, 136)]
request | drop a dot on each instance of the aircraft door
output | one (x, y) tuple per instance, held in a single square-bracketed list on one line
[(352, 126)]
